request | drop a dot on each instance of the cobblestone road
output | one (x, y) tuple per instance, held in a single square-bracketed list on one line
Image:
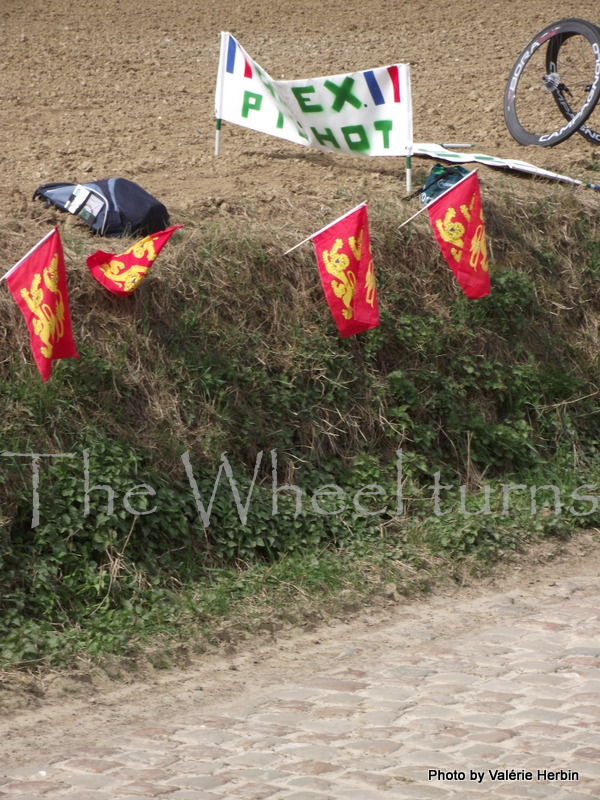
[(508, 709)]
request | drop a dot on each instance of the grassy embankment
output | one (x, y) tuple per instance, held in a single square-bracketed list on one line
[(228, 347)]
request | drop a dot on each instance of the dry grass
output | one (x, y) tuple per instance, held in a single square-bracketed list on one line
[(223, 288)]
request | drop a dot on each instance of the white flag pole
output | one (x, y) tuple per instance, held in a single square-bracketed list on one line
[(410, 219), (296, 246), (217, 136), (219, 92), (324, 228), (425, 207), (407, 97), (26, 256)]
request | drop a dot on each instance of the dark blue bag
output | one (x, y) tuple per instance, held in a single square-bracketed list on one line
[(111, 206)]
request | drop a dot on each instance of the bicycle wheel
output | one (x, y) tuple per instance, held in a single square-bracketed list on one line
[(539, 98), (561, 53)]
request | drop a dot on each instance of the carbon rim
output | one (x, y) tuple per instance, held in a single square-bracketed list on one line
[(554, 85)]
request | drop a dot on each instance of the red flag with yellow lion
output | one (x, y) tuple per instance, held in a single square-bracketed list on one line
[(457, 220), (39, 286), (343, 251), (123, 272)]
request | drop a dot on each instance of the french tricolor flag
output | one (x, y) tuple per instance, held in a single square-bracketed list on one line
[(234, 49), (377, 93)]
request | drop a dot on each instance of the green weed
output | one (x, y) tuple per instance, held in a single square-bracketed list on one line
[(228, 348)]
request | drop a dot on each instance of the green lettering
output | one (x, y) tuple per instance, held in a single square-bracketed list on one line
[(385, 126), (343, 94), (304, 102), (252, 102), (356, 138), (265, 81), (323, 138), (301, 132)]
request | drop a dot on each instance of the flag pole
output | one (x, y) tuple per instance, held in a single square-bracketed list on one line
[(446, 191), (26, 256), (296, 246), (407, 97), (410, 219), (217, 136), (324, 228), (219, 95)]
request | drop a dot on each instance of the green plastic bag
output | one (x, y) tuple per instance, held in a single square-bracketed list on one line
[(439, 180)]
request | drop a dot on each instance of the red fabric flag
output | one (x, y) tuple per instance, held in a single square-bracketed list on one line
[(343, 251), (39, 285), (457, 220), (123, 273)]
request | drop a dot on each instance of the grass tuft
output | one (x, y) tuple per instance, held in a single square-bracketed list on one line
[(228, 348)]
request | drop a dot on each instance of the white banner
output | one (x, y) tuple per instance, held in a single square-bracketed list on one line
[(441, 153), (361, 113)]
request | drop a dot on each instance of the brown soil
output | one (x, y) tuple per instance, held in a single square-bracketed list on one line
[(126, 89)]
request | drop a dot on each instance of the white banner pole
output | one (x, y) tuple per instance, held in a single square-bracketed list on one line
[(218, 136), (219, 92)]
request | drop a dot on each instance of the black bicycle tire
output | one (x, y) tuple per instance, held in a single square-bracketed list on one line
[(564, 28), (552, 54)]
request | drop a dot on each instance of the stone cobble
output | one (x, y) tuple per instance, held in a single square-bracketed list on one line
[(510, 711)]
